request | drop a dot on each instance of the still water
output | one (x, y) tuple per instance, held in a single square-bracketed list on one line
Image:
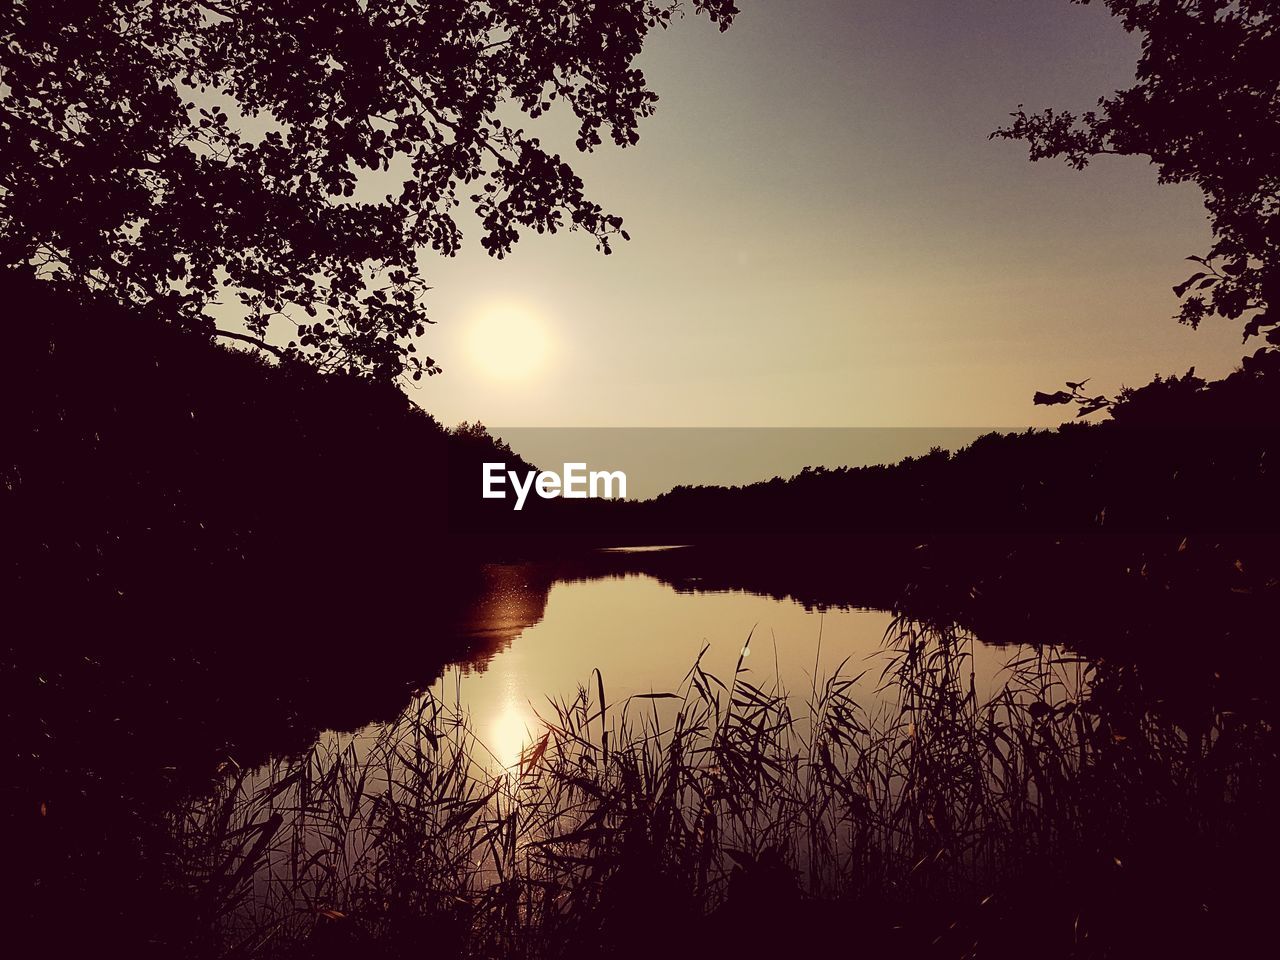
[(539, 637)]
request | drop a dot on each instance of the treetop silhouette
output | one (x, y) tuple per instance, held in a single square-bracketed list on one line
[(1205, 109), (170, 151)]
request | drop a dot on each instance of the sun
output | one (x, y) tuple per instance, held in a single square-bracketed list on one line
[(508, 342)]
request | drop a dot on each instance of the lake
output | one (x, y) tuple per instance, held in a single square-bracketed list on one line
[(537, 632)]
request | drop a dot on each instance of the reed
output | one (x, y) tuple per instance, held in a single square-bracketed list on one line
[(1069, 806)]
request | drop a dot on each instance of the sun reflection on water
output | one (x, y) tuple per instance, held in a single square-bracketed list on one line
[(510, 733)]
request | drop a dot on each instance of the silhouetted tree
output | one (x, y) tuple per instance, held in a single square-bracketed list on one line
[(167, 151), (1206, 110)]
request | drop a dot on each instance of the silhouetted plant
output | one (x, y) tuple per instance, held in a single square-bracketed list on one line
[(1204, 110), (167, 152), (1071, 802), (1074, 393)]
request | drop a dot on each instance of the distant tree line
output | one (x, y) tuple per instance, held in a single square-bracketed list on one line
[(1178, 455)]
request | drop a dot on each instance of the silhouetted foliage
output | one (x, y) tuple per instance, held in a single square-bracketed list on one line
[(1075, 393), (1076, 812), (1204, 110), (171, 152), (1159, 466)]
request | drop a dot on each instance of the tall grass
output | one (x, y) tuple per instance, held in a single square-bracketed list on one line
[(897, 809)]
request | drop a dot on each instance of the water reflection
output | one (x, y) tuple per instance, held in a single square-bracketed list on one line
[(510, 732), (1069, 799), (541, 633), (642, 636)]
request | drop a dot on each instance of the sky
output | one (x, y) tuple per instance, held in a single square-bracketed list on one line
[(823, 235)]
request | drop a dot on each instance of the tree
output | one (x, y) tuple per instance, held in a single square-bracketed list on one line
[(168, 151), (1205, 109)]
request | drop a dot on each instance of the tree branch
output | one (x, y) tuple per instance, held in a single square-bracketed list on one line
[(435, 115), (253, 341)]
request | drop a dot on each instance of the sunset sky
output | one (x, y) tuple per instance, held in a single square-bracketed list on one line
[(824, 236)]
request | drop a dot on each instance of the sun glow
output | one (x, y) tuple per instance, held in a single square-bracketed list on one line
[(508, 342), (509, 734)]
